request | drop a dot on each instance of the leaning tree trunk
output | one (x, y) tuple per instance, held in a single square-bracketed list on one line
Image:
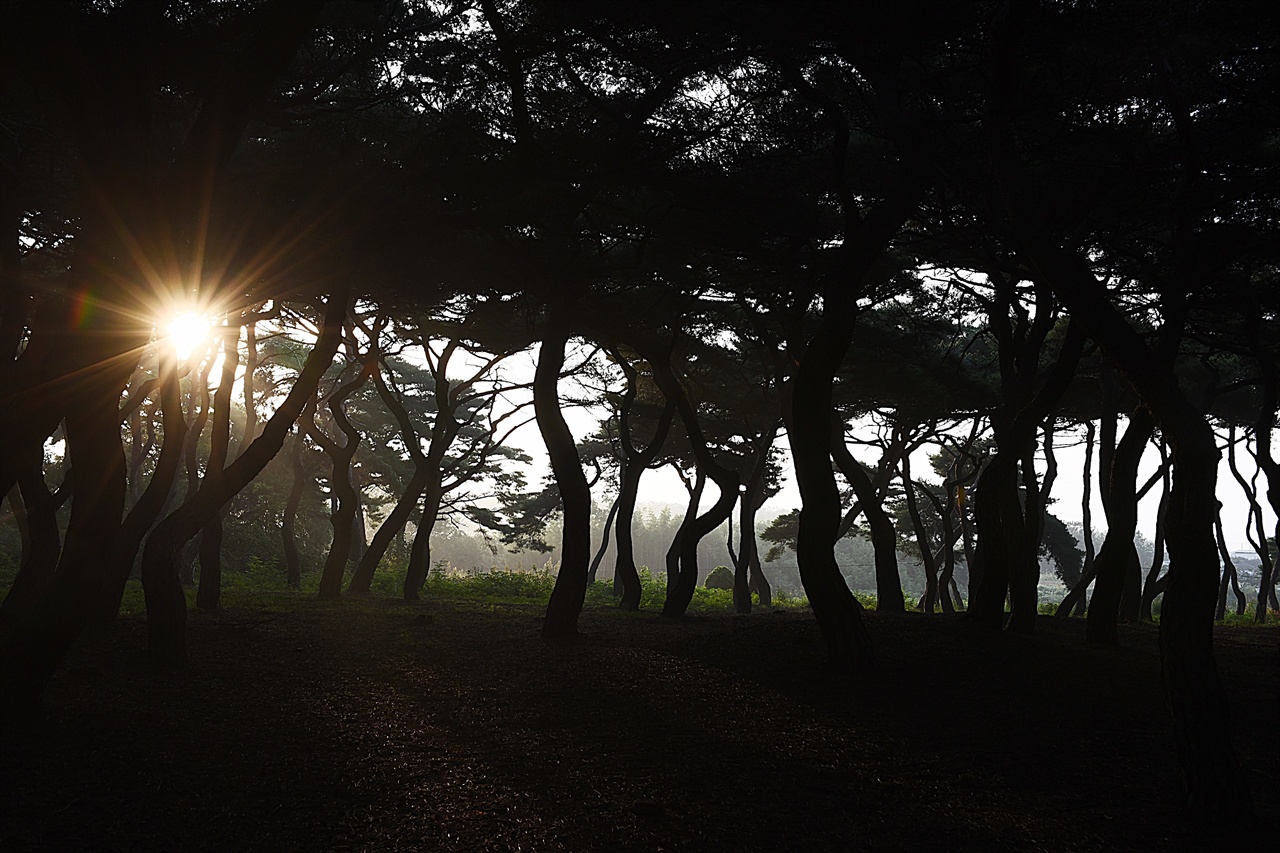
[(335, 565), (142, 517), (884, 537), (681, 594), (839, 614), (415, 577), (1215, 788), (40, 636), (634, 464), (166, 604), (625, 574), (1074, 604), (1154, 584), (362, 578), (1117, 556), (922, 539), (672, 557), (604, 542), (1255, 530), (1229, 575), (570, 591)]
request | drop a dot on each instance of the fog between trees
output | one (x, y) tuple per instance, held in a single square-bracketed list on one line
[(978, 224)]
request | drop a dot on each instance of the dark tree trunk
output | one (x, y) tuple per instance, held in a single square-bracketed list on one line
[(746, 563), (1154, 585), (625, 575), (362, 577), (36, 511), (604, 542), (289, 518), (1255, 530), (1074, 603), (884, 537), (1216, 790), (415, 577), (1001, 537), (166, 604), (1215, 786), (39, 637), (671, 560), (634, 463), (680, 594), (947, 553), (839, 614), (570, 590), (210, 589), (1117, 557), (142, 517), (1228, 573), (343, 517), (922, 540)]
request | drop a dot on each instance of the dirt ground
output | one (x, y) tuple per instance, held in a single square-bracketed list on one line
[(451, 726)]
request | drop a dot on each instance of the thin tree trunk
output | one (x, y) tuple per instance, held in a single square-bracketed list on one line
[(569, 593), (1153, 585), (210, 589), (1255, 530), (1117, 555), (604, 542), (884, 537), (1074, 603), (288, 519), (343, 516), (166, 604), (922, 540), (152, 502)]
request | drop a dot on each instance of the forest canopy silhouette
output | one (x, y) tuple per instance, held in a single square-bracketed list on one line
[(272, 269)]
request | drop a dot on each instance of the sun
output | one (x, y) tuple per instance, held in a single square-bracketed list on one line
[(185, 331)]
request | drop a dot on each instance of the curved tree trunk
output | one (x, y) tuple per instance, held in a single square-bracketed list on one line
[(39, 637), (625, 575), (210, 589), (152, 502), (1228, 573), (634, 464), (570, 590), (1074, 602), (680, 594), (415, 577), (36, 511), (884, 536), (1117, 555), (922, 539), (839, 614), (672, 558), (166, 604), (335, 565), (1154, 584), (604, 542)]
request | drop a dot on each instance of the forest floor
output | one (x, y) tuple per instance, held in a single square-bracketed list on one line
[(452, 726)]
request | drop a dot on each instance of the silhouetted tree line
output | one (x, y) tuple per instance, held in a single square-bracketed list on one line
[(978, 224)]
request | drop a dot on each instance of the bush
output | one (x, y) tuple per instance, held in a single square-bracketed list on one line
[(721, 577)]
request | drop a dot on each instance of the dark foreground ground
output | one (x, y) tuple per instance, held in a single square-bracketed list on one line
[(369, 727)]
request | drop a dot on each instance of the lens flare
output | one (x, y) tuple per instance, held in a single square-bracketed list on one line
[(186, 331)]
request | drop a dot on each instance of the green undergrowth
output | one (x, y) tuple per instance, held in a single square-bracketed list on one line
[(261, 586)]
